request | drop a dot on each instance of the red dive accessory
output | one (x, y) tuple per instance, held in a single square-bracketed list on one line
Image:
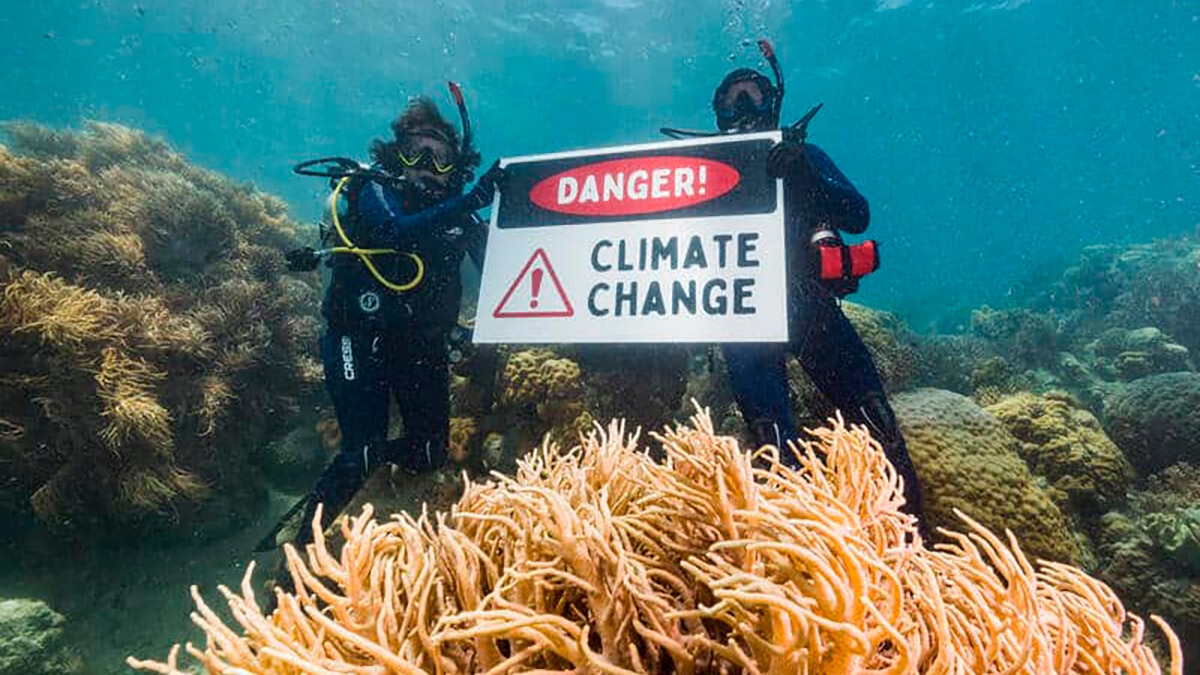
[(844, 262), (840, 266)]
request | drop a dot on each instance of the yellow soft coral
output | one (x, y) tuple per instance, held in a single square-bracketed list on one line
[(967, 460)]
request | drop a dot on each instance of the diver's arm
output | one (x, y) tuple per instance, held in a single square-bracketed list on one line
[(834, 198), (477, 244), (382, 211)]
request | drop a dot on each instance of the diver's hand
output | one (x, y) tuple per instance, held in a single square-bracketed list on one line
[(787, 158), (302, 259), (484, 191)]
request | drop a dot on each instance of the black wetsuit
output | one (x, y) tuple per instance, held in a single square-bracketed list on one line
[(820, 336), (380, 343)]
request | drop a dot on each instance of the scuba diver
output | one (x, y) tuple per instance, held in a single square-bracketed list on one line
[(822, 269), (397, 233)]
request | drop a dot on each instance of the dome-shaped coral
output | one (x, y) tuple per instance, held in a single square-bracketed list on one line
[(1066, 445), (967, 460), (1155, 420)]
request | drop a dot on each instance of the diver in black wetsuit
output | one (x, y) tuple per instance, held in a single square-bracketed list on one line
[(821, 201), (393, 297)]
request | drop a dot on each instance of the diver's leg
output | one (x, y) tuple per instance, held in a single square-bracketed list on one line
[(837, 360), (758, 373), (421, 382), (358, 387)]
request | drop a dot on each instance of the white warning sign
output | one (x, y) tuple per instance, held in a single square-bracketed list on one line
[(680, 241)]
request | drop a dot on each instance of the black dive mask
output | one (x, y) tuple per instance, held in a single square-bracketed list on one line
[(746, 115), (746, 101)]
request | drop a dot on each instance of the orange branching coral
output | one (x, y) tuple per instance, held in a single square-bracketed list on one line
[(600, 559)]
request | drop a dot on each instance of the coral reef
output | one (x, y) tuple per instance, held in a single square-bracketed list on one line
[(995, 378), (947, 361), (967, 460), (150, 341), (547, 392), (891, 343), (1155, 284), (1027, 338), (1131, 354), (463, 431), (31, 640), (1155, 421), (293, 462), (559, 391), (1066, 445), (1148, 551), (600, 559)]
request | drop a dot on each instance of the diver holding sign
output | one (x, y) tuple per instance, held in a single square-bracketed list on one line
[(822, 268)]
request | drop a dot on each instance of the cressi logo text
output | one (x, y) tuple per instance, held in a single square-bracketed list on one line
[(625, 187)]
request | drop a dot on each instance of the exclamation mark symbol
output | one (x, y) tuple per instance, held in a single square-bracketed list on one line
[(537, 287), (703, 177)]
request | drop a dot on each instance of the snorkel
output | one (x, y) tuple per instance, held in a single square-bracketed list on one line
[(796, 131), (464, 146), (768, 53)]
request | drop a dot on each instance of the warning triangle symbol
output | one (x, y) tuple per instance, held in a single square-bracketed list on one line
[(536, 292)]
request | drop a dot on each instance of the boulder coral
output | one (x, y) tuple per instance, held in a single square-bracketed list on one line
[(1065, 444), (149, 338), (559, 391), (967, 460), (1155, 421)]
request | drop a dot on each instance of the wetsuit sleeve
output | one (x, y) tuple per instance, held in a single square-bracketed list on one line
[(382, 212), (833, 197), (477, 244)]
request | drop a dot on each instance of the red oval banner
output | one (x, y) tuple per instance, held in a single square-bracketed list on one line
[(624, 187)]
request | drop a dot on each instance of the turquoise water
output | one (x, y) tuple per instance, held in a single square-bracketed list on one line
[(993, 138)]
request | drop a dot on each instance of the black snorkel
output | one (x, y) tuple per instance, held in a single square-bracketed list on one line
[(798, 130)]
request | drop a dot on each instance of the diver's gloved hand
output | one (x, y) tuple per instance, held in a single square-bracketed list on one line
[(787, 158), (302, 259), (484, 191)]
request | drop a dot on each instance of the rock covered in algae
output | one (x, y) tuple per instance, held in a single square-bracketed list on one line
[(31, 640), (967, 460)]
